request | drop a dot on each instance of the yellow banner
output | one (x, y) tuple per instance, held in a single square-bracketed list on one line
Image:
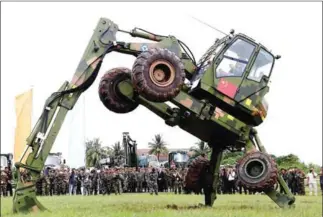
[(23, 123)]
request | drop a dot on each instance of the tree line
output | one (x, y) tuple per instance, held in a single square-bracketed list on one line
[(95, 151)]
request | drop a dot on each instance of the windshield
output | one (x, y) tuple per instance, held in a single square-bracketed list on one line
[(235, 59), (179, 157), (3, 161), (262, 66), (52, 161), (151, 158)]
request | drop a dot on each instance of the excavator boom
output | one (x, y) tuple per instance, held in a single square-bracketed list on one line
[(55, 110)]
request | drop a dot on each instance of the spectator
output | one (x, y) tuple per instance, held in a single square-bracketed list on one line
[(311, 180), (231, 179), (72, 182)]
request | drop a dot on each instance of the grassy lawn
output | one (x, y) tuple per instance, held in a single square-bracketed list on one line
[(141, 205)]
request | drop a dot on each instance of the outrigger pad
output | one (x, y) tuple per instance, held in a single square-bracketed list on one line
[(25, 201)]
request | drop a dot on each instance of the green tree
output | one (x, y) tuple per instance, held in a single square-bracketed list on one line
[(117, 150), (94, 152), (200, 148), (289, 161), (231, 158), (158, 146)]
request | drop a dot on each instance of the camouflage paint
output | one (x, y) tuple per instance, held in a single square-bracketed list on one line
[(236, 92)]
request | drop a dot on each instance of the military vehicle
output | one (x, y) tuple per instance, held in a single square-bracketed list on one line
[(130, 150), (220, 99), (6, 161), (54, 161), (179, 159), (148, 160)]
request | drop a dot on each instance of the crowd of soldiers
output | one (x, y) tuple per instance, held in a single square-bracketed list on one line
[(6, 182), (229, 183), (138, 180), (110, 180)]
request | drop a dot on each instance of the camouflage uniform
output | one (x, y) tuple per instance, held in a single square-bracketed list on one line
[(38, 184), (94, 181), (153, 186), (51, 178), (108, 184), (146, 181), (4, 182), (116, 182), (140, 176), (45, 185), (178, 182), (87, 185)]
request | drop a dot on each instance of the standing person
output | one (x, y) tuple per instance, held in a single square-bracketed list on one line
[(9, 186), (153, 178), (231, 178), (72, 182), (311, 180)]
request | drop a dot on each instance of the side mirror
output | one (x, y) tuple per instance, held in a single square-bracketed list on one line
[(277, 57), (265, 79)]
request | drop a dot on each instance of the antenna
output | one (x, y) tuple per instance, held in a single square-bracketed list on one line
[(209, 25)]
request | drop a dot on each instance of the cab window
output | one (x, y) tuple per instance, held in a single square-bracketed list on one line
[(262, 66), (235, 59)]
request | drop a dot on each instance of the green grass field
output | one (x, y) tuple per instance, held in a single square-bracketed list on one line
[(141, 205)]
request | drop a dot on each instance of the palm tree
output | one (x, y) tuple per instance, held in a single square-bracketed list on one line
[(117, 151), (200, 148), (158, 146), (93, 152)]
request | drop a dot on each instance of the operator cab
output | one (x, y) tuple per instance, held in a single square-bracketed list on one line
[(233, 75)]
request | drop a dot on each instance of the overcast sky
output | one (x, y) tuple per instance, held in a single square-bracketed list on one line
[(42, 43)]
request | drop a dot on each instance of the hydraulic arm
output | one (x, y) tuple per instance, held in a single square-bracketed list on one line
[(59, 103)]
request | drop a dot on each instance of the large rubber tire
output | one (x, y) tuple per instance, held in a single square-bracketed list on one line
[(109, 94), (263, 181), (195, 179), (158, 75)]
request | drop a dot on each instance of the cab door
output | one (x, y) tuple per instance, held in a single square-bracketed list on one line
[(232, 66), (256, 79)]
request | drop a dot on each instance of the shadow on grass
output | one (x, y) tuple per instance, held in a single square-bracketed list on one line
[(202, 206)]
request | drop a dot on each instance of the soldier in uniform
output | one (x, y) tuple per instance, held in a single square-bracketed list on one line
[(301, 182), (177, 182), (38, 184), (140, 177), (146, 180), (87, 184), (116, 180), (153, 186), (3, 185), (109, 177), (94, 180), (51, 178), (45, 184)]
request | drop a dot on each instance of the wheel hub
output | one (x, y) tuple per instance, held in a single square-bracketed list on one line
[(255, 169), (162, 73)]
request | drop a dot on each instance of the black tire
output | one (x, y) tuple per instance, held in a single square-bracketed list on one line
[(109, 94), (195, 179), (266, 179), (158, 75)]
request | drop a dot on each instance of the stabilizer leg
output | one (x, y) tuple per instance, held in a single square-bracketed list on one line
[(25, 200), (282, 200), (212, 177)]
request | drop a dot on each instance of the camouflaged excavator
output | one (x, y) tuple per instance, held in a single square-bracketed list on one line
[(219, 99)]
